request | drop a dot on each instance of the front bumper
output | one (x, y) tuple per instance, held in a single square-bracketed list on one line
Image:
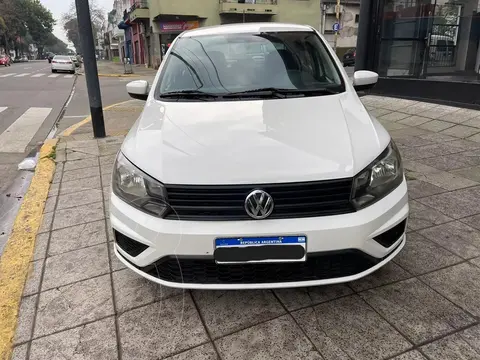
[(340, 248)]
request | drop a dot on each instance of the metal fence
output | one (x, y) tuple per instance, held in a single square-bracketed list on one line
[(442, 49)]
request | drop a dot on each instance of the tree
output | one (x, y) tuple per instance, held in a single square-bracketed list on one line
[(69, 20), (55, 45), (71, 28), (40, 24), (24, 22)]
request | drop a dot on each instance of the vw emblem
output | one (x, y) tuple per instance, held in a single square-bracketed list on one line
[(259, 204)]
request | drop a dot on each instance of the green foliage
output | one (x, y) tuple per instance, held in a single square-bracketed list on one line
[(71, 28), (55, 45), (69, 20), (24, 22)]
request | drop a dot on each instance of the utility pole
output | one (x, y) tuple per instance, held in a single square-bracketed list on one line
[(90, 64), (337, 13)]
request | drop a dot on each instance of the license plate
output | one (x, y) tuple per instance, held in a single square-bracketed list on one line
[(261, 249)]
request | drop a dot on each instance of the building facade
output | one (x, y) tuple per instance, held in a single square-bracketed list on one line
[(426, 49), (349, 16), (151, 25)]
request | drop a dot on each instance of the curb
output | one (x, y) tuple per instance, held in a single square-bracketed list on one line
[(68, 131), (15, 261), (118, 75)]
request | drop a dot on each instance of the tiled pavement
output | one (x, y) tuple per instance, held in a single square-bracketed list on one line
[(81, 303)]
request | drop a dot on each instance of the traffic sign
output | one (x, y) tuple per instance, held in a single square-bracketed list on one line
[(336, 27)]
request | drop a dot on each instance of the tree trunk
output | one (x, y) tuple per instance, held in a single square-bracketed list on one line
[(40, 52)]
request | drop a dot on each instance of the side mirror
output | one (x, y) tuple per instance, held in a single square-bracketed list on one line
[(138, 89), (364, 79)]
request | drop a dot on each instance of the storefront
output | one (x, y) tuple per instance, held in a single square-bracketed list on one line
[(426, 49), (169, 30)]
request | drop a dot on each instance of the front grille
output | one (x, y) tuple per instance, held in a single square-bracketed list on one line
[(319, 266), (292, 200)]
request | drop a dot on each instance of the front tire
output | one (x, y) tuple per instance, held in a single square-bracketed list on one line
[(54, 71), (72, 72)]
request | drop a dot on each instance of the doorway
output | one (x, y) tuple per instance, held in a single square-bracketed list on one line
[(403, 45), (137, 52)]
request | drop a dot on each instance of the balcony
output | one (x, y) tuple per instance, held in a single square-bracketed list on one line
[(260, 7), (139, 11)]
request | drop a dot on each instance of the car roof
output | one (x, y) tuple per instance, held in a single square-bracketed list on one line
[(245, 28)]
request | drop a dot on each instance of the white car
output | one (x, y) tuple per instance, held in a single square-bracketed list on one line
[(246, 174), (63, 63)]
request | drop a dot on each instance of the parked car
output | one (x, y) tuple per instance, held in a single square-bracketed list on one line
[(5, 60), (63, 63), (349, 57), (252, 174), (75, 60)]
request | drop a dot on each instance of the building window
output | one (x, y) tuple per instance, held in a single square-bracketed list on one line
[(357, 18)]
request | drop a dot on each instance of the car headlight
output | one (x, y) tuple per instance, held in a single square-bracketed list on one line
[(137, 188), (379, 178)]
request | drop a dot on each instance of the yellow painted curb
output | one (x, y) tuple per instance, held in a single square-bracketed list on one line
[(15, 261), (68, 131)]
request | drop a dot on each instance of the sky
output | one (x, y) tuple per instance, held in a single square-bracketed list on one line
[(58, 7)]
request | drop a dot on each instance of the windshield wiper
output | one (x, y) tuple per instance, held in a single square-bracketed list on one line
[(283, 92), (189, 94)]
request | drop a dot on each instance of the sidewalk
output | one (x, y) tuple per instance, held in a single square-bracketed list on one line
[(79, 302), (118, 119), (109, 68)]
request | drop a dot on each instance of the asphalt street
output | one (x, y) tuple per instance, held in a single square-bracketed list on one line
[(112, 89), (31, 100), (27, 90)]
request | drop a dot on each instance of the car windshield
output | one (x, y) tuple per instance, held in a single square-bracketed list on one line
[(62, 58), (243, 63)]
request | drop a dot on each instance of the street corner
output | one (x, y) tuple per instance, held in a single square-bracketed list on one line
[(15, 260), (119, 75), (118, 119)]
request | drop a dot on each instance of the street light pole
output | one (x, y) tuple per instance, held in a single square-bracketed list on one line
[(90, 64)]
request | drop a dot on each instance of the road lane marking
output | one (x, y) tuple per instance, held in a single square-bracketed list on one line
[(7, 75), (3, 109), (74, 116), (54, 75), (22, 75), (68, 76), (16, 138), (38, 75)]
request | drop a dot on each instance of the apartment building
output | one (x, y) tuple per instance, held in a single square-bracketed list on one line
[(349, 17), (154, 24)]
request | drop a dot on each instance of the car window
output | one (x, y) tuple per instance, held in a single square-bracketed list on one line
[(227, 63)]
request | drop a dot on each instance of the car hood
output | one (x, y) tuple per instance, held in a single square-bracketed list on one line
[(258, 141)]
